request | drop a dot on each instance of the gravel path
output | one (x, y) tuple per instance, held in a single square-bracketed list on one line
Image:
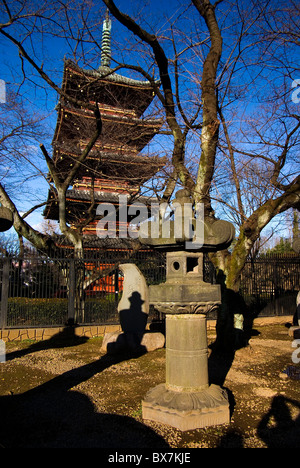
[(71, 395)]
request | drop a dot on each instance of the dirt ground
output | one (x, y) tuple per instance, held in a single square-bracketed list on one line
[(63, 393)]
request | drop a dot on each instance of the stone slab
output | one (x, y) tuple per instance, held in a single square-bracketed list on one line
[(44, 333), (187, 410), (294, 332), (118, 341), (186, 422)]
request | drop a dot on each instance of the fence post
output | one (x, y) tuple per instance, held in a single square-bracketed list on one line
[(71, 293), (4, 293), (116, 285)]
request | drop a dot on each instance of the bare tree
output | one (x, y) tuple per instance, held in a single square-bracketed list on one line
[(247, 159), (27, 27), (225, 71), (263, 148), (21, 25), (262, 169)]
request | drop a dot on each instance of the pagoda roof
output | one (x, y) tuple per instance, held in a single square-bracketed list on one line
[(135, 168), (108, 74), (103, 85), (79, 196), (93, 242), (77, 123), (86, 83), (112, 197)]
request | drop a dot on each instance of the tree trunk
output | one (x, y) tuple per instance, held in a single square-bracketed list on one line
[(230, 265), (251, 229), (41, 241), (211, 123)]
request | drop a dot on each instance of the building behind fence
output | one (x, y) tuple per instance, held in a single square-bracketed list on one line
[(39, 291)]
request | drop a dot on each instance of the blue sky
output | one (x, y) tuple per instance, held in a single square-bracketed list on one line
[(52, 51)]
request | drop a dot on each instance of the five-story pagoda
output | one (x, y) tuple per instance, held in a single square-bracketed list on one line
[(115, 165)]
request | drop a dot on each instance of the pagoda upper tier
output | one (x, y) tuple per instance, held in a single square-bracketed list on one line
[(121, 102), (115, 165), (115, 90)]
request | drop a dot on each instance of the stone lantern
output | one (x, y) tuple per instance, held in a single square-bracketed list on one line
[(186, 400), (296, 245), (6, 219)]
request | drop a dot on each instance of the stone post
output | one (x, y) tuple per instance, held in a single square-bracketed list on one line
[(186, 400), (186, 353)]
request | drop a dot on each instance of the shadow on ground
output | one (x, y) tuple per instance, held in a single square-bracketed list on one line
[(64, 339), (53, 416), (277, 428)]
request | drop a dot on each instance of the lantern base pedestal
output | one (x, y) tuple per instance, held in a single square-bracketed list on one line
[(187, 410)]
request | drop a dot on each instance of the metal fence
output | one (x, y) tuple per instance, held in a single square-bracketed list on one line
[(270, 283), (51, 291)]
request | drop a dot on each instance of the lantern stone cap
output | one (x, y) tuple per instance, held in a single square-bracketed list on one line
[(203, 233)]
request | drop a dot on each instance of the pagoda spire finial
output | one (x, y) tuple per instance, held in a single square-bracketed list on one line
[(106, 41)]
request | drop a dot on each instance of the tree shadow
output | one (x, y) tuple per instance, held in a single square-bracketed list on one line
[(232, 439), (228, 338), (54, 415), (219, 364), (296, 317), (277, 428), (232, 303), (63, 339)]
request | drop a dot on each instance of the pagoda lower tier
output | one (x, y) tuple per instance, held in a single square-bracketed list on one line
[(83, 200), (112, 165)]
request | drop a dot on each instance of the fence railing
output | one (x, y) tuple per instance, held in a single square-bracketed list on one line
[(51, 291), (270, 283)]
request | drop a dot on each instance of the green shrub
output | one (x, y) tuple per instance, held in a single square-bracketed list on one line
[(33, 312), (23, 311)]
